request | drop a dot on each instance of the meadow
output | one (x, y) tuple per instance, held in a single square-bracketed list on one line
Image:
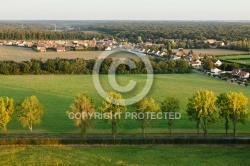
[(125, 155), (56, 93), (243, 59), (213, 51)]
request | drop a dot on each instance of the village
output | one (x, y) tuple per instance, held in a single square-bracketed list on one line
[(144, 48)]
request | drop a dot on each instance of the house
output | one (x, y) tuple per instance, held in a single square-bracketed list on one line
[(108, 49), (2, 42), (243, 74), (217, 62), (60, 49), (21, 43), (29, 44), (162, 54), (40, 49), (236, 72), (195, 64), (180, 52), (210, 41), (215, 70), (9, 43), (79, 48), (148, 44), (158, 52)]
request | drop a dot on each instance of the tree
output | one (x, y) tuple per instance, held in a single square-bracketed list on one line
[(237, 104), (222, 103), (6, 111), (29, 112), (201, 108), (143, 110), (84, 106), (113, 108), (170, 104), (139, 39), (208, 64)]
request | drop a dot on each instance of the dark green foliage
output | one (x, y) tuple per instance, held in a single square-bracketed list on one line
[(81, 66)]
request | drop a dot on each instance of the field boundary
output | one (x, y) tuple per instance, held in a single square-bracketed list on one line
[(125, 141)]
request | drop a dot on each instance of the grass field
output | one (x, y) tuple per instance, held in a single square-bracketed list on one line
[(56, 92), (213, 51), (125, 155), (243, 59)]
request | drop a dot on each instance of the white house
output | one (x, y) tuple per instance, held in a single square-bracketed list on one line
[(243, 74), (9, 43), (215, 70), (195, 64), (217, 62), (21, 43), (108, 49)]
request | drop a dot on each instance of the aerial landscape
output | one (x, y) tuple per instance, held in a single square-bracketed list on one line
[(124, 83)]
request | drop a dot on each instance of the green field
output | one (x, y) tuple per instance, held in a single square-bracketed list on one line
[(243, 59), (213, 51), (56, 92), (125, 155)]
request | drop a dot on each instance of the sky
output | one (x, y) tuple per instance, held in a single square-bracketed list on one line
[(125, 10)]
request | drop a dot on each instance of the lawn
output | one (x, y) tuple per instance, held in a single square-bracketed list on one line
[(56, 92), (125, 155)]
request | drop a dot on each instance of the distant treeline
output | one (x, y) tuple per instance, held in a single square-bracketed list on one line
[(81, 66), (155, 30), (37, 34)]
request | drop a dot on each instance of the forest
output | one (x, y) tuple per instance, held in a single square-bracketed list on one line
[(186, 34)]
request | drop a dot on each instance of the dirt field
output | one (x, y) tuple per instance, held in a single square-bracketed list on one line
[(19, 54), (213, 51)]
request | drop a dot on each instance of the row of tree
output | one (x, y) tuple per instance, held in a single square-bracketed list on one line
[(81, 66), (204, 108), (29, 112)]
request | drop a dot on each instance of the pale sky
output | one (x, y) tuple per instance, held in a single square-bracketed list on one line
[(125, 10)]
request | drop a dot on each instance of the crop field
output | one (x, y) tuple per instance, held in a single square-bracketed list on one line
[(243, 59), (125, 155), (213, 51), (25, 54), (56, 92), (19, 54)]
